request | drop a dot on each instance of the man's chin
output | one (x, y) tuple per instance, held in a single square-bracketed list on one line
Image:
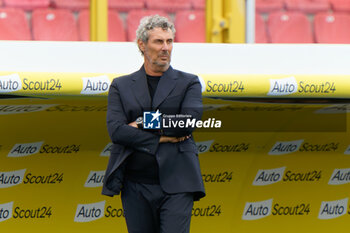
[(163, 65)]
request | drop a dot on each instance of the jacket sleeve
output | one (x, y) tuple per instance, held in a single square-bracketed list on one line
[(191, 106), (119, 130)]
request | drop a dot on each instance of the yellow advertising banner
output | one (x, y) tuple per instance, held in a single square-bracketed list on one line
[(280, 159), (230, 85)]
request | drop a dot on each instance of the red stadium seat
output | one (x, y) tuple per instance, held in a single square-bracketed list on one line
[(72, 4), (340, 5), (332, 28), (122, 5), (269, 5), (27, 4), (190, 26), (308, 6), (116, 30), (133, 21), (168, 5), (289, 27), (260, 30), (57, 25), (14, 25), (198, 4)]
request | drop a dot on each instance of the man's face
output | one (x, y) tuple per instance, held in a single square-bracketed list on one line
[(157, 50)]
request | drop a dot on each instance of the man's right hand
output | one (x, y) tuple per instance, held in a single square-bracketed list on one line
[(164, 139)]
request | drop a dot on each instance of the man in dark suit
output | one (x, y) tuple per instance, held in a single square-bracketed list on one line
[(157, 171)]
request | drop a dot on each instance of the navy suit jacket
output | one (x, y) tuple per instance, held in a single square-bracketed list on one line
[(177, 93)]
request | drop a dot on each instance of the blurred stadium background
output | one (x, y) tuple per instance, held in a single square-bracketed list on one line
[(274, 21)]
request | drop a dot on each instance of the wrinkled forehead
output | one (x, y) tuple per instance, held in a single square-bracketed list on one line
[(160, 33)]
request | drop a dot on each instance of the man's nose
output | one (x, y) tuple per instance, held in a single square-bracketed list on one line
[(165, 46)]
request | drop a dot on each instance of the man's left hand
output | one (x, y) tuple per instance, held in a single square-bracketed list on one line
[(133, 124)]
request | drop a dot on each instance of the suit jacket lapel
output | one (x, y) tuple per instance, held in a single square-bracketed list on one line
[(165, 86), (140, 89)]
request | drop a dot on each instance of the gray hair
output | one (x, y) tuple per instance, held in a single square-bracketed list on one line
[(150, 22)]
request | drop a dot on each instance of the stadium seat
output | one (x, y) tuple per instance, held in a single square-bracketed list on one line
[(72, 4), (190, 26), (265, 6), (116, 30), (1, 3), (122, 5), (308, 6), (27, 4), (340, 5), (48, 24), (14, 25), (332, 28), (289, 27), (133, 21), (260, 30), (168, 5), (198, 4)]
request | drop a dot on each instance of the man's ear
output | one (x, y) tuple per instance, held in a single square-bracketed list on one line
[(141, 45)]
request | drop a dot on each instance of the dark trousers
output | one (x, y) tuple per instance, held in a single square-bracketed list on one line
[(148, 209)]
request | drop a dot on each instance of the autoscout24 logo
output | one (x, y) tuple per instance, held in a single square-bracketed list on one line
[(155, 120)]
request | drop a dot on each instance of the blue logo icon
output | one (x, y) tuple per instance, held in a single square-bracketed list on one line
[(151, 120)]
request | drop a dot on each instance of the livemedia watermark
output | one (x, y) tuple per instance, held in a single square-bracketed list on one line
[(157, 120)]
